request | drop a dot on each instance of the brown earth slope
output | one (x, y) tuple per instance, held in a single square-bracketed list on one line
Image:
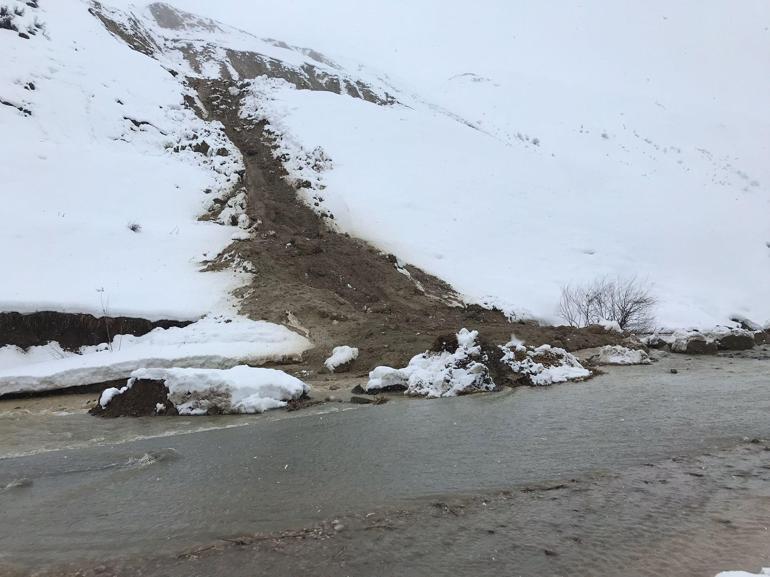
[(337, 288)]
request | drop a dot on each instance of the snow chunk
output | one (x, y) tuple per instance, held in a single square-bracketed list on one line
[(111, 393), (239, 390), (544, 365), (764, 571), (619, 355), (611, 326), (341, 356), (444, 374), (212, 342)]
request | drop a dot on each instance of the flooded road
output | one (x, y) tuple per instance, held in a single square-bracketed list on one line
[(149, 493)]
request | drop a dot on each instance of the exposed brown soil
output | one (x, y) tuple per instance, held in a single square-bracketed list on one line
[(140, 400), (71, 330), (339, 289)]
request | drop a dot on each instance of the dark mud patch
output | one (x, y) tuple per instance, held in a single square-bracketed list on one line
[(141, 400), (72, 330)]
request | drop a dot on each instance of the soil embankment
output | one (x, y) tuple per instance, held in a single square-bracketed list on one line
[(72, 330)]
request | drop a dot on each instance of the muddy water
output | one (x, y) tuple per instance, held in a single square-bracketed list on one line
[(158, 495)]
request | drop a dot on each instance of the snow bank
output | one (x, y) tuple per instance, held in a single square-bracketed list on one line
[(619, 355), (12, 356), (240, 389), (544, 365), (341, 356), (212, 342), (444, 374)]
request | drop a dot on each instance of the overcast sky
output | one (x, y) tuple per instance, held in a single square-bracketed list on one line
[(707, 47)]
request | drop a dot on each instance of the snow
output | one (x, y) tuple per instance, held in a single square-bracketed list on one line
[(585, 179), (444, 374), (611, 326), (77, 171), (212, 342), (619, 355), (240, 389), (764, 571), (12, 356), (576, 162), (544, 365), (341, 356)]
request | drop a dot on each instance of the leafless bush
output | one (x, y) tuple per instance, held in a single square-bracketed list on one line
[(627, 301), (134, 227)]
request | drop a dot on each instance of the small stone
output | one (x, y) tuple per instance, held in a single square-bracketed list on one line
[(674, 372), (337, 526)]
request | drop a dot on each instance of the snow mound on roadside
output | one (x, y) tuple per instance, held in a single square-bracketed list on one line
[(444, 374), (212, 342), (544, 365), (619, 355), (239, 390), (341, 356)]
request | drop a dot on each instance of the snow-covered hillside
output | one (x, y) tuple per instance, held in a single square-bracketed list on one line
[(507, 187), (101, 189)]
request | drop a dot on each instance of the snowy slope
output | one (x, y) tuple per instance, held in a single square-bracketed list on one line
[(509, 223), (556, 163), (93, 155)]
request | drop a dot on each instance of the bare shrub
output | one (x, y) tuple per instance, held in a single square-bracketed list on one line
[(134, 227), (627, 301)]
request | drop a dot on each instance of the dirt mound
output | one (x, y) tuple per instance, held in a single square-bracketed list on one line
[(72, 331), (141, 400)]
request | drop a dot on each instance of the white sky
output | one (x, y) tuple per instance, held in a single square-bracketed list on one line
[(712, 46)]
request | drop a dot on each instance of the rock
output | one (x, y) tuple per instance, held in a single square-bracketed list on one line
[(674, 372), (736, 340), (619, 355), (222, 152), (655, 342), (694, 344), (361, 401), (202, 147), (762, 337)]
